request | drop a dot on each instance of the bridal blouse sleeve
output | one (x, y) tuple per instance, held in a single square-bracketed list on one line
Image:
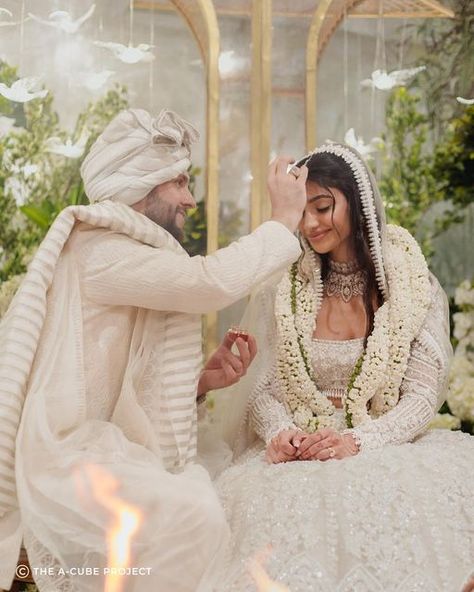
[(268, 414), (424, 379)]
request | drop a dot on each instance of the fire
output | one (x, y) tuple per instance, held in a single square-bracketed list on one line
[(260, 576), (126, 519)]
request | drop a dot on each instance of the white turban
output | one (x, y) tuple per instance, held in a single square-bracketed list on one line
[(135, 153)]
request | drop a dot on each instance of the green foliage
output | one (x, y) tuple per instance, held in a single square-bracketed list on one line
[(195, 230), (407, 183), (36, 185), (448, 53), (453, 167)]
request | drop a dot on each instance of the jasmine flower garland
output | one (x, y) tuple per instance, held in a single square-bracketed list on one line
[(380, 370)]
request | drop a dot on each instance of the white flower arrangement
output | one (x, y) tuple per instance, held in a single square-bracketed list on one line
[(444, 421), (378, 374), (461, 385)]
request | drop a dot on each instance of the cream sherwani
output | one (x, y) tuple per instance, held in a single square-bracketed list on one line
[(103, 369)]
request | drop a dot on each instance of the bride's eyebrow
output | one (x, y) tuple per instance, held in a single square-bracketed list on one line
[(319, 196)]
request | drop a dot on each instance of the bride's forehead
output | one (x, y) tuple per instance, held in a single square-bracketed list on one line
[(315, 190)]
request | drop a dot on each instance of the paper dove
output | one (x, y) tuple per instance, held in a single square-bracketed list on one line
[(362, 148), (383, 81), (6, 125), (128, 54), (23, 90), (93, 80), (465, 101), (63, 21), (56, 146)]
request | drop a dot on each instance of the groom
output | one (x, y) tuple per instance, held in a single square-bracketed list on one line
[(100, 361)]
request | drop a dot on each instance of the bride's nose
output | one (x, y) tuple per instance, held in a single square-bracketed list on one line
[(310, 221)]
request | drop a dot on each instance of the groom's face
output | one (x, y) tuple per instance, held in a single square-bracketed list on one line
[(168, 203)]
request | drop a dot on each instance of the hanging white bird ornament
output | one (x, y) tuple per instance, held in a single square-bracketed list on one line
[(382, 80), (365, 150), (464, 101), (23, 90), (128, 54), (56, 146), (8, 23), (63, 21)]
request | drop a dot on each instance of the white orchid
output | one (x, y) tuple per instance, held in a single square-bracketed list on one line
[(128, 54), (67, 149), (6, 125), (93, 80), (464, 101), (17, 184), (63, 21), (365, 150), (382, 80), (23, 90)]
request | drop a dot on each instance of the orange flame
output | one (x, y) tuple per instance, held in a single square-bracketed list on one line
[(260, 576), (126, 519)]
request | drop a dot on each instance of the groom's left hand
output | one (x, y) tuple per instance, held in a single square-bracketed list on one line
[(325, 444), (225, 367)]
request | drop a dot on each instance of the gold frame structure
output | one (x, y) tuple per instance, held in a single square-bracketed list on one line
[(261, 105), (201, 17), (326, 19), (202, 21)]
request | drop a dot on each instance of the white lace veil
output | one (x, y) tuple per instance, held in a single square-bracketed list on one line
[(230, 416)]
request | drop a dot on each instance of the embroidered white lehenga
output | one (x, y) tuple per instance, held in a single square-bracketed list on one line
[(398, 516)]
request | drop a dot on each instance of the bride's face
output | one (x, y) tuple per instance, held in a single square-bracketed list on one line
[(326, 222)]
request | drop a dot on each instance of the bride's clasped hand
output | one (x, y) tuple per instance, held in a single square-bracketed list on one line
[(325, 444)]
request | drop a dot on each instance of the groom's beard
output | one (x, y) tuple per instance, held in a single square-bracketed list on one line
[(165, 215)]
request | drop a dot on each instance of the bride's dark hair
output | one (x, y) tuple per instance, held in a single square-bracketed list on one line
[(331, 171)]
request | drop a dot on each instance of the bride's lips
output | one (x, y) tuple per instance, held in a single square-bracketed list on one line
[(319, 235)]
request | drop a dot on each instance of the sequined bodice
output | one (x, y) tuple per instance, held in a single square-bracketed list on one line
[(333, 363)]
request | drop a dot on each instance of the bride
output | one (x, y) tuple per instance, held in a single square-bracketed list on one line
[(333, 465)]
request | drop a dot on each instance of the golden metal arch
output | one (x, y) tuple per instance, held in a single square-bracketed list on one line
[(261, 104), (202, 21)]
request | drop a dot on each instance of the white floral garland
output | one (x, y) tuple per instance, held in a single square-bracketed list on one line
[(379, 375)]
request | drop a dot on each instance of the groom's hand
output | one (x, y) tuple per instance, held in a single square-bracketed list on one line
[(287, 192), (281, 448), (225, 367)]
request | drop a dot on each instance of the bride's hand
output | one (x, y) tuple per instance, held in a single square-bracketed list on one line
[(280, 448), (325, 444)]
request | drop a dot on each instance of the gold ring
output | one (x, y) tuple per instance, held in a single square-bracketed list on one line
[(332, 452)]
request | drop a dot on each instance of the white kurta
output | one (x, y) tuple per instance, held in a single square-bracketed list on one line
[(113, 383)]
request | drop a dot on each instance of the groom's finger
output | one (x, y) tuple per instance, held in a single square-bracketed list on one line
[(236, 364), (230, 374), (244, 353), (252, 343), (282, 164)]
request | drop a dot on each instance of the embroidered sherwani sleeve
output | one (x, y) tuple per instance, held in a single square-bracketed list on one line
[(120, 271), (268, 415), (419, 394)]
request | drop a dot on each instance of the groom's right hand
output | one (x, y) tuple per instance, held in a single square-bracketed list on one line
[(287, 193), (280, 448)]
